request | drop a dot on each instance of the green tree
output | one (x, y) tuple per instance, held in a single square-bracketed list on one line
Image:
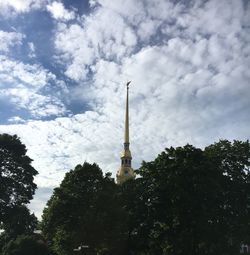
[(26, 245), (132, 195), (19, 221), (193, 201), (234, 212), (188, 201), (16, 187), (84, 210)]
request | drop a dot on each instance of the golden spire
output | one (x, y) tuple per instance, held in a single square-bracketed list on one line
[(126, 135), (125, 171)]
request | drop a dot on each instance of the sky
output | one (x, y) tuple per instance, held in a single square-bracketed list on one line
[(64, 66)]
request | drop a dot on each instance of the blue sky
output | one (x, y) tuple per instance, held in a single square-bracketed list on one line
[(64, 65)]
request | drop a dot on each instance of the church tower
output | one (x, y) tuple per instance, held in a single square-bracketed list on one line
[(126, 172)]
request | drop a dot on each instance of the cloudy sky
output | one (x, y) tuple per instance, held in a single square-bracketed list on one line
[(64, 65)]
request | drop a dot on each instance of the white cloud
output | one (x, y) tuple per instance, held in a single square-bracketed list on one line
[(58, 11), (38, 105), (145, 17), (65, 139), (22, 84), (13, 7), (81, 45), (9, 39), (184, 76), (16, 119), (32, 50), (33, 75), (189, 66)]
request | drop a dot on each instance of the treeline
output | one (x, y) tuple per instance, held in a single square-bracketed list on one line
[(188, 201)]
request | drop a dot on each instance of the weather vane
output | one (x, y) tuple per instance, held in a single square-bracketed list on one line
[(128, 84)]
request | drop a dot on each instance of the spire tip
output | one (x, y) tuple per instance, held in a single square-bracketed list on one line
[(128, 84)]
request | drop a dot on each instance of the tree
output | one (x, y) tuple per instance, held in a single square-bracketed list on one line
[(188, 201), (133, 197), (193, 201), (84, 210), (234, 212), (16, 173), (26, 245), (16, 187), (19, 221), (174, 186)]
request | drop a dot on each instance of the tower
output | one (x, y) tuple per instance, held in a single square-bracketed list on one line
[(126, 172)]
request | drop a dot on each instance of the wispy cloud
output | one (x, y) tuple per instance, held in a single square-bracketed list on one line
[(9, 39), (32, 50), (22, 85), (16, 120)]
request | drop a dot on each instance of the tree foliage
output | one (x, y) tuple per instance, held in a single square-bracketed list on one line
[(16, 189), (188, 201), (26, 245), (16, 173), (84, 210), (19, 221), (195, 201)]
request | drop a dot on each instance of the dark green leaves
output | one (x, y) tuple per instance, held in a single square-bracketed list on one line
[(188, 201), (16, 186), (83, 210)]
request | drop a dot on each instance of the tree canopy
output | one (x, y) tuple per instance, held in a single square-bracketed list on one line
[(16, 173), (17, 188), (194, 201), (186, 201), (84, 210), (26, 245)]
